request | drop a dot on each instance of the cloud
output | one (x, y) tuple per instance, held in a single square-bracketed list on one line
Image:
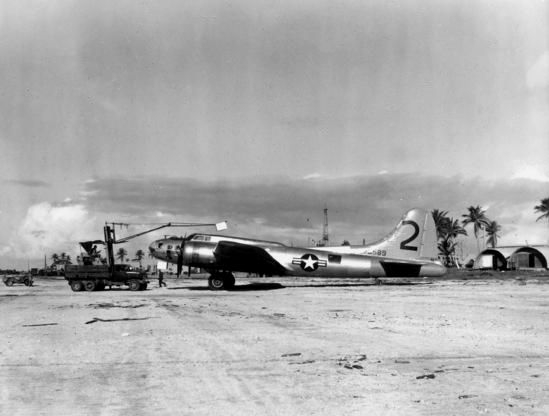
[(291, 210), (538, 74), (48, 228), (274, 208), (29, 183), (533, 172)]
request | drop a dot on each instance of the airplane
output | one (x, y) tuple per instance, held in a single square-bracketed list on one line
[(410, 250)]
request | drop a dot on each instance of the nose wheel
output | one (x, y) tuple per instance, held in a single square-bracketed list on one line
[(221, 281)]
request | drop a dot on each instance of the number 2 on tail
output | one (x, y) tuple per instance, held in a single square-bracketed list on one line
[(403, 244)]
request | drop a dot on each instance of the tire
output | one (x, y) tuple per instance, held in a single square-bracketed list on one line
[(216, 282), (8, 282), (76, 286), (134, 285), (26, 282), (89, 285)]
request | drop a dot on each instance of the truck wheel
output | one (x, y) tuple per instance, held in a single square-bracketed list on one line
[(9, 282), (134, 285), (26, 282), (89, 285), (76, 286)]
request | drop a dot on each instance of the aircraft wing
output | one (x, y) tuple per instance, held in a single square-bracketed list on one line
[(246, 258)]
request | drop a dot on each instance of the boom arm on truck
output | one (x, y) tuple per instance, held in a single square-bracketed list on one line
[(110, 236)]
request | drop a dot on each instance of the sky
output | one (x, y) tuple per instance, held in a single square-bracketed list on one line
[(262, 113)]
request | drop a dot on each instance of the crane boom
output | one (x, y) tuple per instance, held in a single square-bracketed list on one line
[(110, 236)]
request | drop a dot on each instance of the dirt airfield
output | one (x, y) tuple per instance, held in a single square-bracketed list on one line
[(466, 345)]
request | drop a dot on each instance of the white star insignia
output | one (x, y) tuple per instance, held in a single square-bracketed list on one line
[(309, 263)]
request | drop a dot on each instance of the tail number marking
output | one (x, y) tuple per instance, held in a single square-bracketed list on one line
[(404, 244)]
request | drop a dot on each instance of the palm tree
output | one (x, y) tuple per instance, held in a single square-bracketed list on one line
[(447, 248), (453, 229), (542, 209), (477, 217), (492, 230), (448, 230), (139, 254), (121, 254), (440, 218)]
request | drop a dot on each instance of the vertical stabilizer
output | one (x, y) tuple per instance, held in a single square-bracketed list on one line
[(414, 237)]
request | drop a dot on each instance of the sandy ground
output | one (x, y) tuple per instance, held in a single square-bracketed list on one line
[(278, 346)]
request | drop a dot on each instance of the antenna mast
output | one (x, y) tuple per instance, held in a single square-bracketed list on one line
[(325, 238)]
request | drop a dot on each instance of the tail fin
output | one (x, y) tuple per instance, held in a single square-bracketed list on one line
[(414, 237)]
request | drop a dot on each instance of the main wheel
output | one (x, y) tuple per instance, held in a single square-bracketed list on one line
[(76, 286), (134, 285), (216, 282), (8, 282), (26, 282), (90, 285)]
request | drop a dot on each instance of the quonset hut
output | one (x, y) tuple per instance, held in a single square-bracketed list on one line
[(513, 258)]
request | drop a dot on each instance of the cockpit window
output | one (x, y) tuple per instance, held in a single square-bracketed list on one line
[(170, 247), (198, 238), (160, 245)]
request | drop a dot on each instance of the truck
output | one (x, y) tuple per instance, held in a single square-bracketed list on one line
[(99, 276), (93, 273)]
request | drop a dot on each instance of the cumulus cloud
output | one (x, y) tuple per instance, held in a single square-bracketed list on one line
[(48, 228)]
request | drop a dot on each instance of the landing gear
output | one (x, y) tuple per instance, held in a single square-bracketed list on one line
[(221, 280)]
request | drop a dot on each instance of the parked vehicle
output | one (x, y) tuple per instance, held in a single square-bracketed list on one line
[(98, 277), (23, 278)]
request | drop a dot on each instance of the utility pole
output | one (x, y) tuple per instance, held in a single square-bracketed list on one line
[(325, 238)]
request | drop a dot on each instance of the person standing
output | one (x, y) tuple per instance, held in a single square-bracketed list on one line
[(161, 279)]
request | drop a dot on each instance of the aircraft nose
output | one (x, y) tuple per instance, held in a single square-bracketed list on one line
[(152, 248)]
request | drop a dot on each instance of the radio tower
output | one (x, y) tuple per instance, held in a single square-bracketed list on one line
[(325, 238)]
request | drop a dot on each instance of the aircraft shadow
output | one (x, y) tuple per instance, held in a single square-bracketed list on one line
[(356, 284), (258, 286), (244, 288)]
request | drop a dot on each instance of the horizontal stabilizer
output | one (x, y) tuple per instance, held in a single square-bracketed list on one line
[(398, 269)]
